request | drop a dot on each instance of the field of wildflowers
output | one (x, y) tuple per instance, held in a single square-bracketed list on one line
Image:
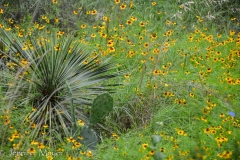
[(172, 68)]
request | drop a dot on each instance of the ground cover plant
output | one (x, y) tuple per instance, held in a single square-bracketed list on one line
[(176, 95)]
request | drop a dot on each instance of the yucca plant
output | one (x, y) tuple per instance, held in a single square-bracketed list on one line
[(57, 77)]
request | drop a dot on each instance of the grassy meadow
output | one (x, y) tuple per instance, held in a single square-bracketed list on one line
[(171, 67)]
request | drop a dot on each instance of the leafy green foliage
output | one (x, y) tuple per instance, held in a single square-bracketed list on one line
[(158, 156), (155, 139)]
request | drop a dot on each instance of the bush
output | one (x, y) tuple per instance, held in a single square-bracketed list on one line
[(57, 77)]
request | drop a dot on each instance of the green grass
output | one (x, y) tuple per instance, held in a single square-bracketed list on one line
[(180, 76)]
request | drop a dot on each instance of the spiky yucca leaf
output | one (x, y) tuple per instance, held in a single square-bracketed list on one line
[(57, 76)]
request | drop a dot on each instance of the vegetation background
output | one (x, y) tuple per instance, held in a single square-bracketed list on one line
[(119, 79)]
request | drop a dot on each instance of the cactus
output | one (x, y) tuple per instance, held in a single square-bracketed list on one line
[(89, 137), (101, 106)]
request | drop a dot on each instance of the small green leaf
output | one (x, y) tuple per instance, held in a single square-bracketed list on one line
[(158, 156), (155, 139)]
